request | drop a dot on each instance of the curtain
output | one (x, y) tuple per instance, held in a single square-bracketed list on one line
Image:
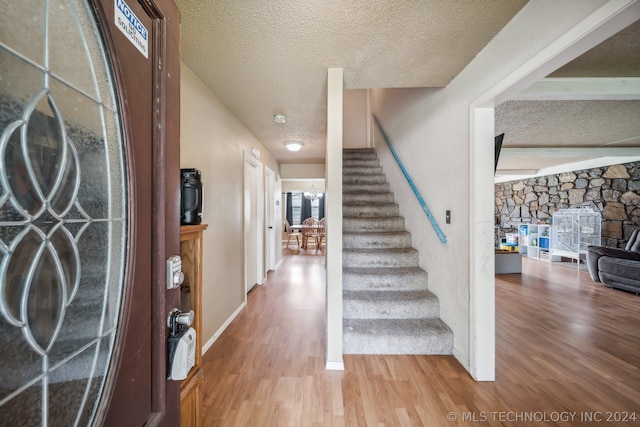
[(321, 206), (289, 208), (305, 212)]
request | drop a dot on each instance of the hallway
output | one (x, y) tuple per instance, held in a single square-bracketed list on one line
[(568, 351)]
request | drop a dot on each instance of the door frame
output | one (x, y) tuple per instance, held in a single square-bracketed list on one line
[(253, 220), (270, 228), (165, 228)]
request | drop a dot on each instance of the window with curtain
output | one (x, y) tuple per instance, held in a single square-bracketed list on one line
[(297, 208)]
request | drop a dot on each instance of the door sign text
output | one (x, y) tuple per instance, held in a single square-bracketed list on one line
[(131, 27)]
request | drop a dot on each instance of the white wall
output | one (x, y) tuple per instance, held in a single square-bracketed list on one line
[(303, 185), (302, 171), (213, 140), (431, 131), (356, 118)]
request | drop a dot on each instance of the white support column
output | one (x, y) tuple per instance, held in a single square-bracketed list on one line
[(333, 213), (482, 315)]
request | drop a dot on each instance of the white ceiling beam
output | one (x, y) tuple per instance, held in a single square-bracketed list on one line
[(583, 88), (505, 175), (570, 152)]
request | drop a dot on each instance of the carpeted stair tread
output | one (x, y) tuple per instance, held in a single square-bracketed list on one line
[(349, 163), (387, 307), (390, 304), (371, 210), (362, 170), (368, 188), (360, 197), (376, 239), (376, 251), (359, 153), (363, 179), (397, 336), (388, 257), (352, 224), (384, 278)]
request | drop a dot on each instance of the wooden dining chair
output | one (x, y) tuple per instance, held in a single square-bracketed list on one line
[(309, 232), (322, 233), (291, 233)]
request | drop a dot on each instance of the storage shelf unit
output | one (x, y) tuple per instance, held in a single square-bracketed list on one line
[(534, 241), (191, 237), (573, 231)]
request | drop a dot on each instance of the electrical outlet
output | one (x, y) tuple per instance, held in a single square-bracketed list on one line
[(448, 217)]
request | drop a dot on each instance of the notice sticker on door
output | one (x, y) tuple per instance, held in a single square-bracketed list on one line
[(131, 27)]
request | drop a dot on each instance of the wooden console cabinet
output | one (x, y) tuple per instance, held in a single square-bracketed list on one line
[(191, 299)]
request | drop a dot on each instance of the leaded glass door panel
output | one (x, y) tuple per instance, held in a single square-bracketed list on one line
[(80, 278)]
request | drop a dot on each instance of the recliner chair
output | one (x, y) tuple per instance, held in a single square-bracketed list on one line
[(616, 268)]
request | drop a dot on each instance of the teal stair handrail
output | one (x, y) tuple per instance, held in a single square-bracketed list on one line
[(426, 210)]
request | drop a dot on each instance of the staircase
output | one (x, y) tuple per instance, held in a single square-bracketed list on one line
[(386, 304)]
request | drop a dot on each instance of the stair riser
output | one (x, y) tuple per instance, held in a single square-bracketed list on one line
[(355, 224), (366, 188), (355, 309), (348, 163), (368, 210), (397, 336), (355, 152), (384, 282), (376, 240), (363, 179), (382, 259), (367, 198), (360, 171), (371, 155), (396, 345)]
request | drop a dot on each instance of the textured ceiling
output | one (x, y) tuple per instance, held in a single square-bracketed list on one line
[(543, 124), (266, 57), (619, 56), (589, 128)]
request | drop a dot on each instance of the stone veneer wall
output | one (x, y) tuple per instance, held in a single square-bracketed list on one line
[(614, 191)]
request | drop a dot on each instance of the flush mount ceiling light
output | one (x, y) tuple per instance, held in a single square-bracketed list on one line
[(293, 145), (280, 119)]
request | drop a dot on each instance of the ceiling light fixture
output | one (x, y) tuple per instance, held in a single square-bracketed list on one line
[(293, 145), (280, 119)]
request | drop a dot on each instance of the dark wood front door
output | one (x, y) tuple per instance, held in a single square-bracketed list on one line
[(148, 89), (89, 211)]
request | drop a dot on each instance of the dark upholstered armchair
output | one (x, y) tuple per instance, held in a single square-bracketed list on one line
[(616, 268)]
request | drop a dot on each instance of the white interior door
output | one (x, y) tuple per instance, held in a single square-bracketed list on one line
[(253, 222)]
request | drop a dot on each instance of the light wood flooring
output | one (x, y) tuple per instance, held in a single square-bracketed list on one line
[(567, 354)]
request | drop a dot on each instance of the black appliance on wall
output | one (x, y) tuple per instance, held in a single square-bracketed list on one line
[(190, 196)]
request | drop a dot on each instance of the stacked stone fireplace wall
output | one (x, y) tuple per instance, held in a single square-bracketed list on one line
[(613, 191)]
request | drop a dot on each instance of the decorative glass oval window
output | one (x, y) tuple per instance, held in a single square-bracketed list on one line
[(63, 214)]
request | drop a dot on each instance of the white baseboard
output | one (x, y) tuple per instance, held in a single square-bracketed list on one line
[(335, 366), (219, 332)]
